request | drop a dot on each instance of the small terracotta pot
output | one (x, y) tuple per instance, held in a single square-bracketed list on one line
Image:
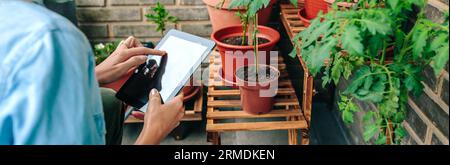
[(191, 91), (251, 99), (302, 15), (313, 7), (231, 61), (221, 16)]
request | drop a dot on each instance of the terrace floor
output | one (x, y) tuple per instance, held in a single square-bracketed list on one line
[(321, 133)]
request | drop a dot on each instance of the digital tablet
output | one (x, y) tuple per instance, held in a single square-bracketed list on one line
[(168, 74)]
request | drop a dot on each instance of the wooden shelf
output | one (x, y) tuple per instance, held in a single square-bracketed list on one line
[(224, 103), (293, 26)]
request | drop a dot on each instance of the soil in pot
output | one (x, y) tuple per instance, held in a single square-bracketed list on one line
[(237, 40), (257, 90)]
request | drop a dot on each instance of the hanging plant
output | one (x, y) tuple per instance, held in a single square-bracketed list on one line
[(357, 42)]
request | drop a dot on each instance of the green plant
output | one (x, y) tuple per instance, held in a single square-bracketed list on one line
[(160, 16), (355, 42), (102, 51), (249, 21)]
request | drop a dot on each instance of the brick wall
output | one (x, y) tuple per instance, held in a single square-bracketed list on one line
[(108, 20), (428, 118)]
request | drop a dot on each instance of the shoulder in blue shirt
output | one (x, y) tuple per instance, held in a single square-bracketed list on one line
[(48, 90)]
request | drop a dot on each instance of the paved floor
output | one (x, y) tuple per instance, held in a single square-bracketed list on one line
[(324, 130)]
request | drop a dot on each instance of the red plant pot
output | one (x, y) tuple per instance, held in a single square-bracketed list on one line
[(302, 15), (258, 98), (221, 16), (191, 90), (313, 7), (235, 56)]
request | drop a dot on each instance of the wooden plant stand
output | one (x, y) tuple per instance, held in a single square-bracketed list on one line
[(293, 26), (224, 103)]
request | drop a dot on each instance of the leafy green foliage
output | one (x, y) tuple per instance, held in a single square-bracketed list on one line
[(368, 84), (374, 41), (102, 51), (160, 16), (348, 108), (351, 40)]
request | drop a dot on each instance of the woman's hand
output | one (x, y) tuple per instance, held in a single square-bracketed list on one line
[(160, 119), (128, 55)]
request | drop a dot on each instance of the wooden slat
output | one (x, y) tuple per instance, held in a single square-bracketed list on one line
[(237, 103), (241, 114), (236, 92), (220, 98), (257, 126)]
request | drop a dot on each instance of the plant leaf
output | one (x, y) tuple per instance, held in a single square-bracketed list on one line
[(440, 60), (351, 40), (420, 41), (370, 131)]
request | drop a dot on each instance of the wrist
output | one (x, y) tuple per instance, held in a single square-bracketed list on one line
[(100, 78), (149, 136)]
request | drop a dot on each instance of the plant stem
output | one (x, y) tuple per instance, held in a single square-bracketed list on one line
[(384, 53), (389, 131)]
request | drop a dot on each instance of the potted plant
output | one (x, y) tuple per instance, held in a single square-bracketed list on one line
[(235, 42), (355, 44), (222, 14), (255, 76)]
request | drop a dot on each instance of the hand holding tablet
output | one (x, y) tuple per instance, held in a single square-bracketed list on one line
[(169, 73)]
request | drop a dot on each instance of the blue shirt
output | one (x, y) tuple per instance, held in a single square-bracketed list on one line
[(48, 90)]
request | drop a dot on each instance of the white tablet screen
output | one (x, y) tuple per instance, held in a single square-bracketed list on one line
[(182, 56)]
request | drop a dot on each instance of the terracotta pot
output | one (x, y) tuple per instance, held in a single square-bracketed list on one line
[(251, 99), (313, 7), (221, 16), (302, 15), (191, 91), (233, 60)]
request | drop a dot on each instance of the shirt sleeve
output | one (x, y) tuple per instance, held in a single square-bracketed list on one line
[(51, 95)]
